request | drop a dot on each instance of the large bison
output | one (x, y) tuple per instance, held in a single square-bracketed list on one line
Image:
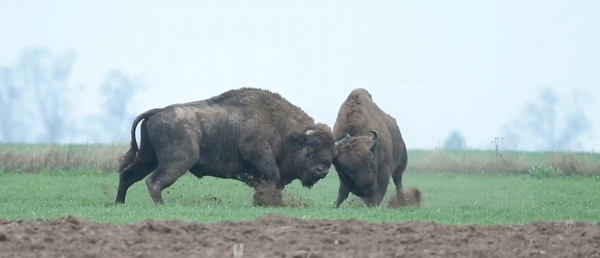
[(248, 134), (370, 150)]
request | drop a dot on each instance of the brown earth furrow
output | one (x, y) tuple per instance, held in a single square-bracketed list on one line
[(277, 236)]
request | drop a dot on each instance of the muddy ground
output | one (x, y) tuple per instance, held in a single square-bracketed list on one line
[(276, 236)]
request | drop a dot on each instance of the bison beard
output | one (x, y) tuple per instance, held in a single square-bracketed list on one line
[(370, 151), (251, 135)]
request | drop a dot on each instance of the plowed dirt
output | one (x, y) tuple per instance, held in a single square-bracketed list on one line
[(276, 236)]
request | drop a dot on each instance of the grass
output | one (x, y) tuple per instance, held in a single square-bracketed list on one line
[(448, 198), (474, 187)]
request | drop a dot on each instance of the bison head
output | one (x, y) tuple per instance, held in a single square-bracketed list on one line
[(312, 152), (356, 163)]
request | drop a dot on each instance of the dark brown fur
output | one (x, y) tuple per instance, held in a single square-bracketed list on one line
[(251, 135), (364, 165)]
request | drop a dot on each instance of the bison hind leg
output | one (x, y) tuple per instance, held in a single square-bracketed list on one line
[(397, 177), (197, 171), (131, 176), (165, 175)]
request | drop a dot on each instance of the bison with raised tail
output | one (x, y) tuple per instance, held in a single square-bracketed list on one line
[(251, 135), (370, 150)]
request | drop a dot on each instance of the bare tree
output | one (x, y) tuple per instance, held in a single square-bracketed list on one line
[(455, 141), (37, 101), (34, 95), (552, 123), (11, 127), (118, 91), (52, 96)]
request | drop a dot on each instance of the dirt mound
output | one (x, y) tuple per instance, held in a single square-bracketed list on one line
[(295, 200), (277, 236), (412, 197), (268, 195)]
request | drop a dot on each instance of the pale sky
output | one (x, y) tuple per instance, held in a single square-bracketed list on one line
[(433, 65)]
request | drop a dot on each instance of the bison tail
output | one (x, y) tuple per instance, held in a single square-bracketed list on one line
[(129, 158)]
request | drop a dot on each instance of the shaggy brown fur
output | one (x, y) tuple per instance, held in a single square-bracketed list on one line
[(251, 135), (370, 150)]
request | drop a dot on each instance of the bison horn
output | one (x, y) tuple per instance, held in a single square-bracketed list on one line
[(346, 137), (374, 138), (308, 132), (375, 135)]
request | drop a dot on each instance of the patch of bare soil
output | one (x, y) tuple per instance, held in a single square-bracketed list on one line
[(412, 197), (276, 236), (294, 200), (268, 195)]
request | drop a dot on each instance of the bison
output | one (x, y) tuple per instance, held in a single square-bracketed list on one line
[(370, 150), (251, 135)]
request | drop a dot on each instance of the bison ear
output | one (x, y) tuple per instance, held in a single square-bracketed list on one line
[(373, 140)]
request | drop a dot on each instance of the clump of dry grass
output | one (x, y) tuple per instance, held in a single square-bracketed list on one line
[(566, 163), (60, 158), (37, 158), (440, 161)]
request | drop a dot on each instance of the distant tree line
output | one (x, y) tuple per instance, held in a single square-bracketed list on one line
[(38, 102), (547, 123)]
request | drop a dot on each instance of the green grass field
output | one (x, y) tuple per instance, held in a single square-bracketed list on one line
[(448, 198), (458, 188)]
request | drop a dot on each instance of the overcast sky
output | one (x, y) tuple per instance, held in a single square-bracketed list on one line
[(433, 65)]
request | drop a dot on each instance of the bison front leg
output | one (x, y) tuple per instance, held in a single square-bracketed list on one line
[(260, 155), (372, 201), (268, 195), (343, 193)]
